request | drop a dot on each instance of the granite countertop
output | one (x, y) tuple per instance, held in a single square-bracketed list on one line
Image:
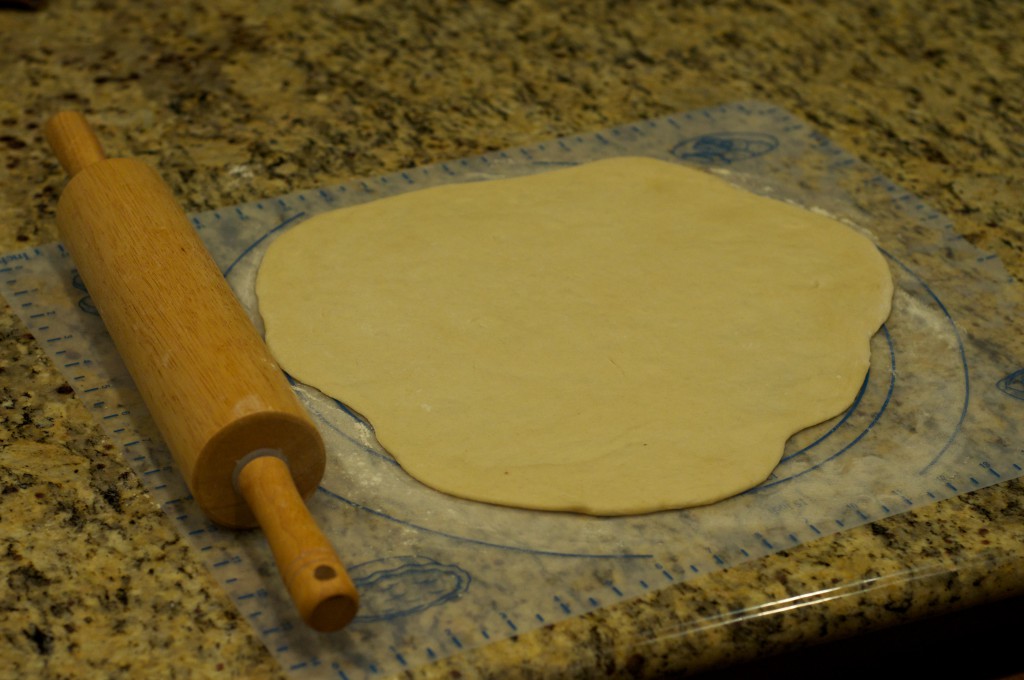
[(233, 101)]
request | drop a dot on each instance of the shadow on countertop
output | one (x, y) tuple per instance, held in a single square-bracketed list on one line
[(981, 643)]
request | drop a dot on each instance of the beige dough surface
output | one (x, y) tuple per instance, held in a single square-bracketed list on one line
[(624, 336)]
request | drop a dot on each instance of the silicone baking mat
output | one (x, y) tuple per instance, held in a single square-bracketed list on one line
[(939, 414)]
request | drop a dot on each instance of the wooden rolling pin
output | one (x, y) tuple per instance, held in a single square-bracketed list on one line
[(246, 447)]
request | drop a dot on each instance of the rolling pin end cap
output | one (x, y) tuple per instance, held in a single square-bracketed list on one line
[(324, 594), (332, 614)]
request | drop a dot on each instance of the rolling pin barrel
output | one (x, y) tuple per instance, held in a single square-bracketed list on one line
[(246, 447)]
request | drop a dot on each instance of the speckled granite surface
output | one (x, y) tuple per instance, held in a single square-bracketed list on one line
[(237, 100)]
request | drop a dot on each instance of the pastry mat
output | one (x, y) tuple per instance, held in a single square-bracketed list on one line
[(939, 414)]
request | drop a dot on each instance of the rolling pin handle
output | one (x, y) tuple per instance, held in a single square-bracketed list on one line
[(73, 141), (315, 577)]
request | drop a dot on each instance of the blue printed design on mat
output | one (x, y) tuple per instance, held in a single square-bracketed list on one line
[(725, 147), (1013, 384), (85, 303), (399, 586)]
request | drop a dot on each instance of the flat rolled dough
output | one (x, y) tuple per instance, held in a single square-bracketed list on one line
[(620, 337)]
